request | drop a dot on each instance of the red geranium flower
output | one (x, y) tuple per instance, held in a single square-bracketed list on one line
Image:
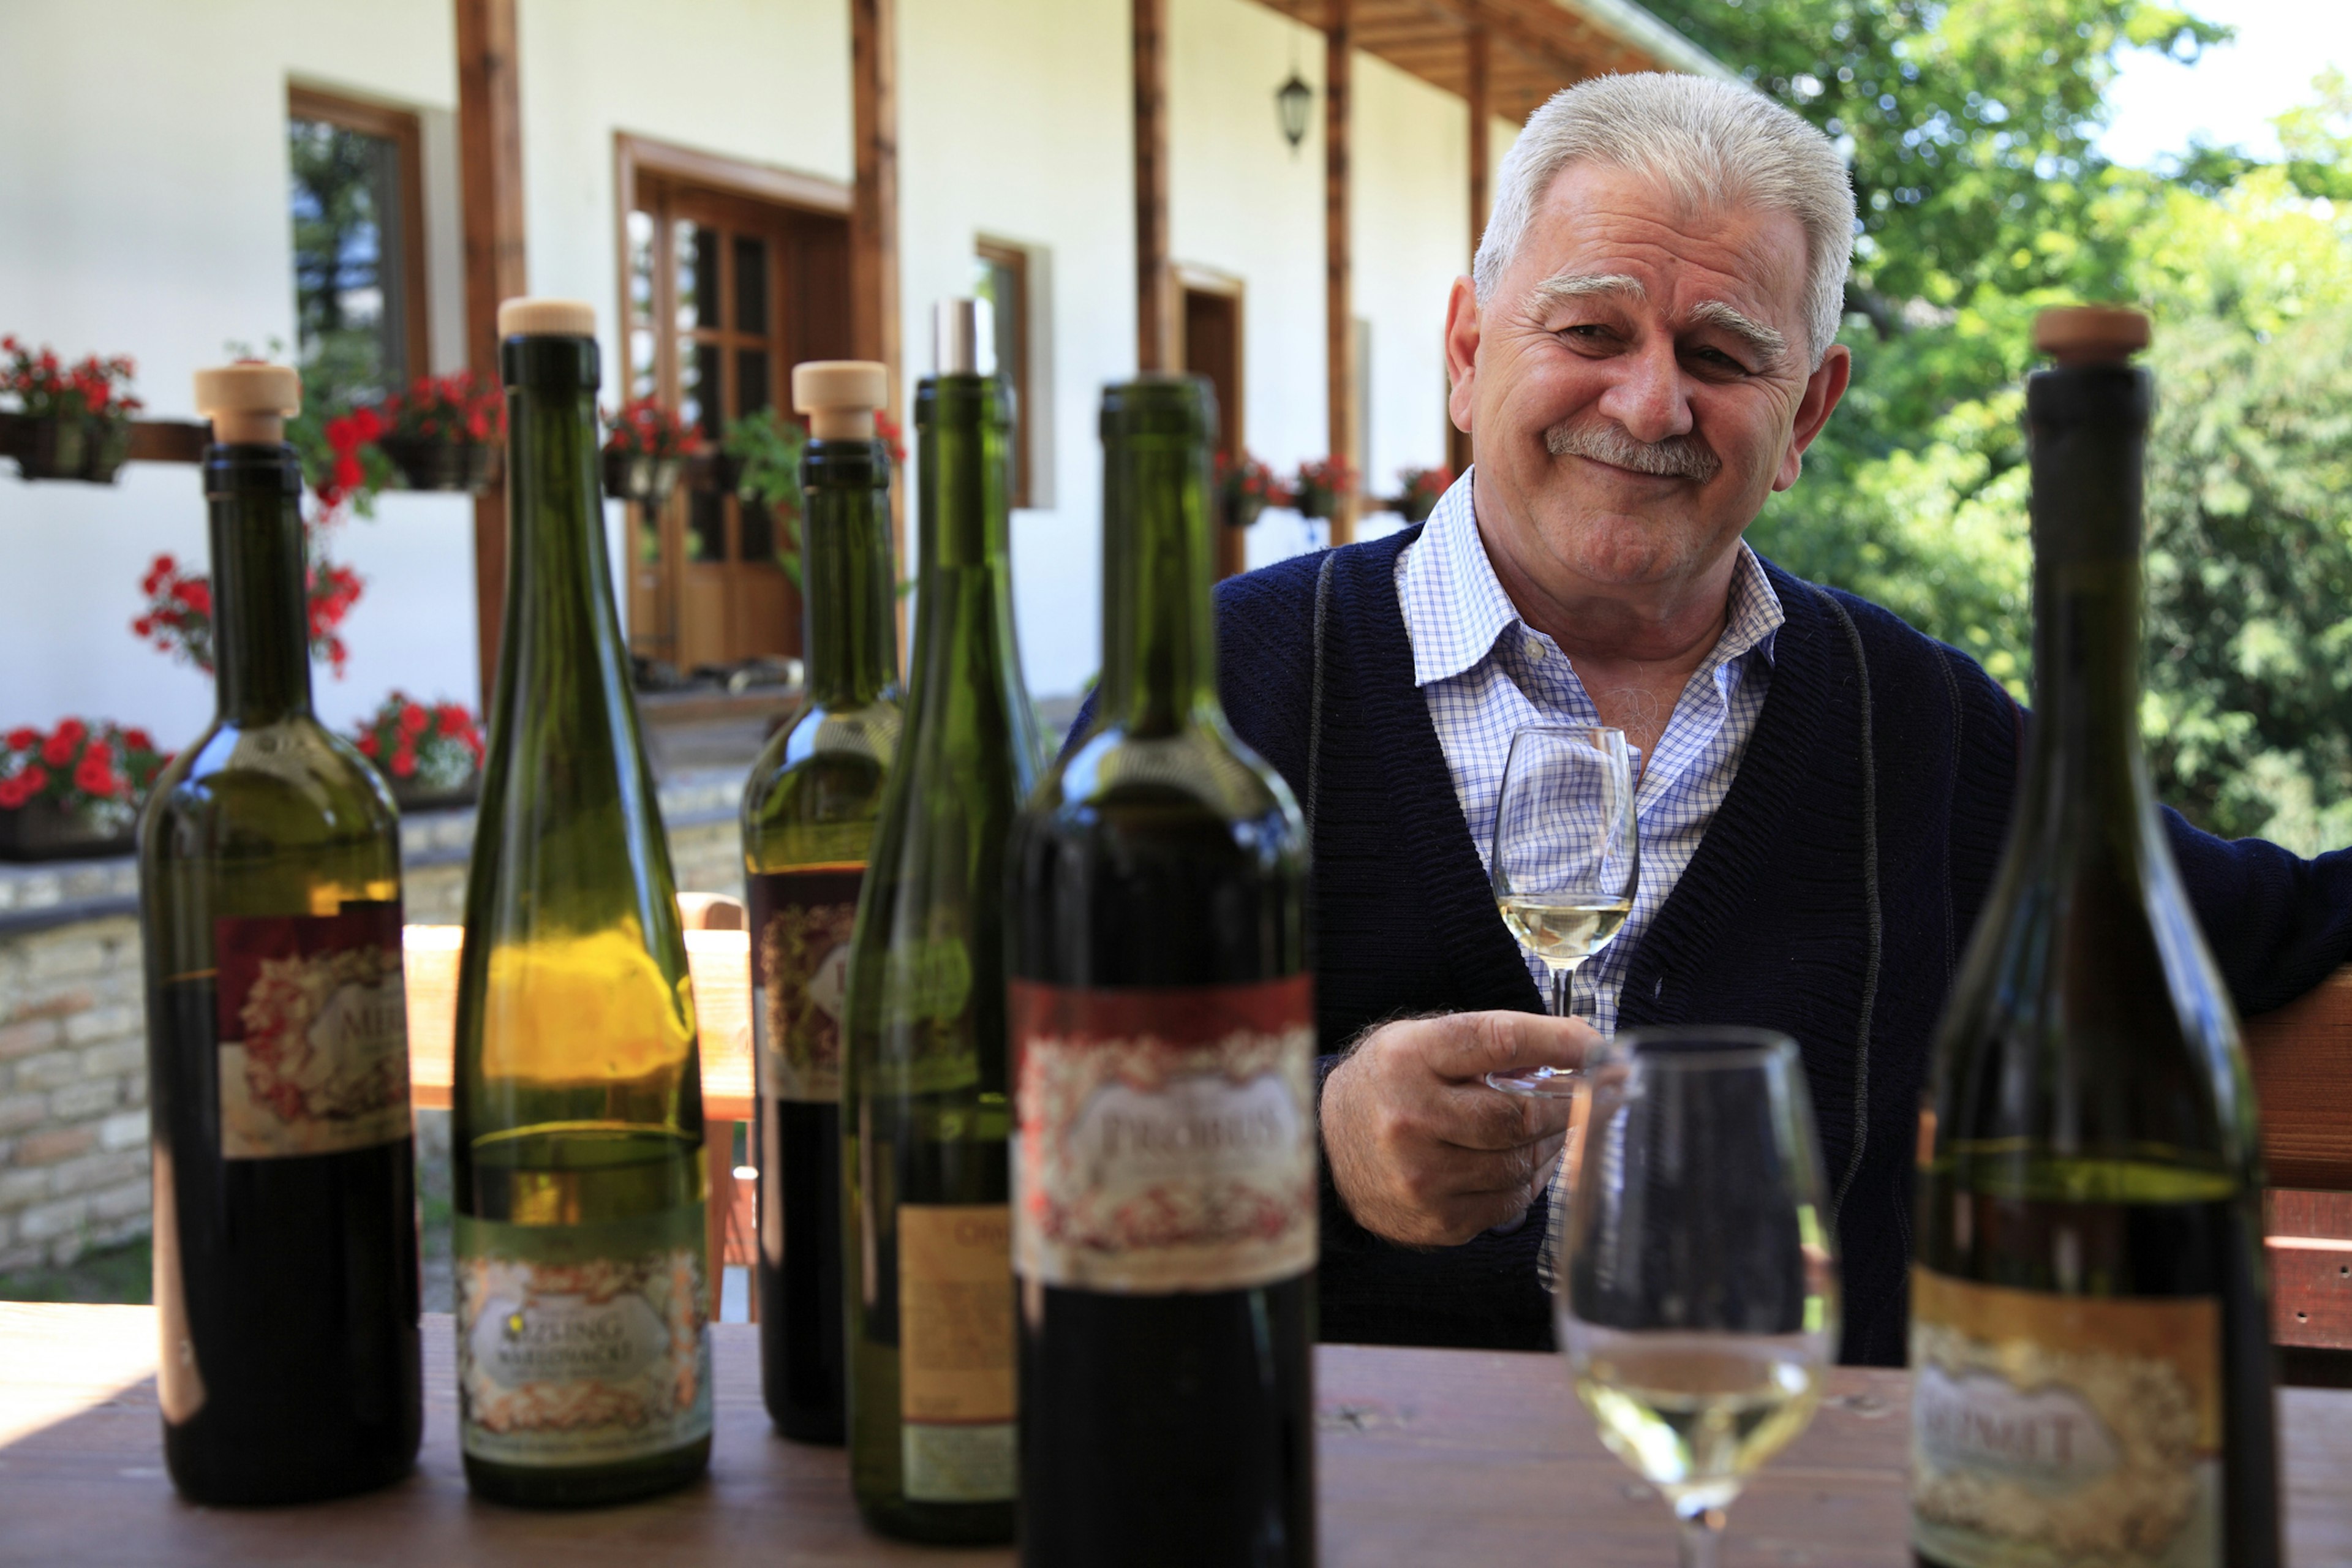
[(403, 761), (24, 738), (59, 749), (413, 719)]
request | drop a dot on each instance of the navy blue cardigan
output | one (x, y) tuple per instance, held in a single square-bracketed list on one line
[(1789, 916)]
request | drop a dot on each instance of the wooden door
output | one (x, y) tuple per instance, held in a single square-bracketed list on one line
[(745, 288), (1212, 347)]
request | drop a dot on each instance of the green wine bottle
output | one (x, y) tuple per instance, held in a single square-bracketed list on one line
[(276, 1035), (1163, 1019), (584, 1356), (808, 822), (2090, 1330), (924, 1112)]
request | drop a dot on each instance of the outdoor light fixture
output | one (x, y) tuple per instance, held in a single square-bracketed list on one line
[(1292, 100)]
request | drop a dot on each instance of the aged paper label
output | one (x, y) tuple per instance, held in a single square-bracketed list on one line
[(801, 924), (313, 1031), (956, 1390)]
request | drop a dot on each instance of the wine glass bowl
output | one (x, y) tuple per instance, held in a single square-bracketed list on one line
[(1564, 862), (1698, 1302)]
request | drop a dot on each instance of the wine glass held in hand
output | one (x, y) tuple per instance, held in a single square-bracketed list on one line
[(1565, 860), (1698, 1307)]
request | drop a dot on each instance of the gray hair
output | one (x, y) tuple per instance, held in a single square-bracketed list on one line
[(1712, 143)]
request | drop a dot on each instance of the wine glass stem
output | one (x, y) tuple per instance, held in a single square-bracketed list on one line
[(1702, 1536), (1561, 982)]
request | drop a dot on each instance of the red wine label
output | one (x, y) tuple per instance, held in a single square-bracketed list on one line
[(801, 922), (956, 1397), (582, 1344), (313, 1021), (1166, 1137), (2065, 1429)]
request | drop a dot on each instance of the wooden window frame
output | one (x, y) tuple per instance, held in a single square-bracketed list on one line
[(1193, 278), (1013, 361), (406, 131)]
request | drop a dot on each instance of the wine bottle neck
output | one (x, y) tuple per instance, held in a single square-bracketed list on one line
[(852, 653), (964, 600), (2088, 427), (261, 643), (1159, 666), (562, 628)]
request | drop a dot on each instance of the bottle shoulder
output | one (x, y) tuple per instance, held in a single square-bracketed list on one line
[(292, 778), (1202, 769)]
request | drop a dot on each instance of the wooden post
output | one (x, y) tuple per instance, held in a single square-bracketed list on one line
[(490, 156), (1475, 46), (1339, 308), (1154, 309), (873, 228)]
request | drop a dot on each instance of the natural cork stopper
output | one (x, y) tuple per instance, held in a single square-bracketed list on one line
[(2090, 334), (529, 318), (249, 404), (840, 395)]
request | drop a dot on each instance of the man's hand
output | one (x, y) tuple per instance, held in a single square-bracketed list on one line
[(1421, 1151)]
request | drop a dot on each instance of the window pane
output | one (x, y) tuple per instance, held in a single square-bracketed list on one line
[(642, 379), (751, 285), (758, 532), (344, 201), (706, 526), (698, 275), (692, 388), (750, 380), (707, 410)]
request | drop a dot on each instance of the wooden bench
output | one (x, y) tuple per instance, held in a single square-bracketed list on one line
[(2301, 1058)]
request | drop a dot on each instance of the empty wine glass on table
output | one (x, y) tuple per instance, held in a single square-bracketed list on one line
[(1564, 861), (1698, 1302)]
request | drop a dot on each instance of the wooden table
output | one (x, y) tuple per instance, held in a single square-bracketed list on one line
[(1426, 1458)]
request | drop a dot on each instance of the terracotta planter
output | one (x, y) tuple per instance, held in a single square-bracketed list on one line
[(41, 829), (633, 476), (105, 447), (57, 450), (471, 467)]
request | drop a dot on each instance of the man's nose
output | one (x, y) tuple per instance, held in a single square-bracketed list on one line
[(1646, 395)]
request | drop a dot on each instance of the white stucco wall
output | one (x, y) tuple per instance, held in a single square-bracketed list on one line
[(157, 227)]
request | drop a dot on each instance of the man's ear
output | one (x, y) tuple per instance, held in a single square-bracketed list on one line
[(1822, 389), (1461, 351)]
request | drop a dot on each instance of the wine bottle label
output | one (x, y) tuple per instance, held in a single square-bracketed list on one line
[(1166, 1137), (313, 1031), (801, 922), (2065, 1429), (956, 1399), (581, 1344)]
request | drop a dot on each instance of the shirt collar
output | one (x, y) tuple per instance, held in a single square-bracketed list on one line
[(1456, 609)]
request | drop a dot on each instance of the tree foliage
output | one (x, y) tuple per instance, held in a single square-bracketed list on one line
[(1970, 128)]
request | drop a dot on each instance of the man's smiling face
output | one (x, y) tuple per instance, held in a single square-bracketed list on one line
[(1641, 381)]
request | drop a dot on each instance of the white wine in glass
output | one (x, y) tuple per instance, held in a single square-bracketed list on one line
[(1697, 1303), (1565, 858)]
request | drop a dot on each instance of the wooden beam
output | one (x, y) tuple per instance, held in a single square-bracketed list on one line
[(873, 228), (490, 156), (1154, 285), (1338, 294)]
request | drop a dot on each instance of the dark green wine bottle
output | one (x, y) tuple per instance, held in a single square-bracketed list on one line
[(276, 1035), (808, 823), (2089, 1329), (1163, 1020), (584, 1355), (924, 1108)]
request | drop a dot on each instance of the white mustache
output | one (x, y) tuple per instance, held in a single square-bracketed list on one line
[(1676, 457)]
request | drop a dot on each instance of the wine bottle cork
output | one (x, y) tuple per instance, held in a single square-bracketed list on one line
[(840, 395), (525, 317), (249, 404), (2090, 334)]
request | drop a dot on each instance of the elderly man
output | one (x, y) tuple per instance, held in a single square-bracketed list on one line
[(1644, 354)]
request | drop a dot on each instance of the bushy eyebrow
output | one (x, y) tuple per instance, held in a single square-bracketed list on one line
[(1766, 344)]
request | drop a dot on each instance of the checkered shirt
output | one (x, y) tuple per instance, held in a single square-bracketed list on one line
[(1487, 675)]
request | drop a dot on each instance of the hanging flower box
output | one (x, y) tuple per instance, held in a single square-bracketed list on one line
[(1245, 489), (1320, 483), (1423, 487), (445, 432), (430, 754), (646, 446), (73, 792), (79, 415)]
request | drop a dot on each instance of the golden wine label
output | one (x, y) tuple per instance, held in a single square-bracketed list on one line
[(582, 1344), (1164, 1138), (800, 924), (2049, 1429), (956, 1391), (313, 1021)]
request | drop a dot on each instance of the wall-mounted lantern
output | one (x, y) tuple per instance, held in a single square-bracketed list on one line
[(1292, 100)]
